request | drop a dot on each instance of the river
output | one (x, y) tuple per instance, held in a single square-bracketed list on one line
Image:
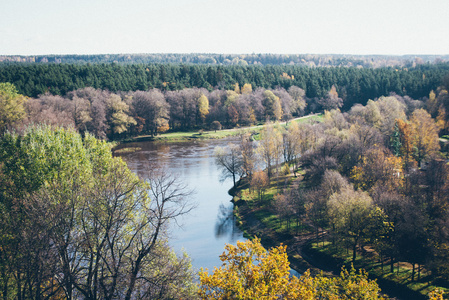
[(207, 228)]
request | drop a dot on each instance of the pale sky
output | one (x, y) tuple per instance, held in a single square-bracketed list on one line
[(396, 27)]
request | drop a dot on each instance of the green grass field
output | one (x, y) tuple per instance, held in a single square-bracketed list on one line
[(219, 134)]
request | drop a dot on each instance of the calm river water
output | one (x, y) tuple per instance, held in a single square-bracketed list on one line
[(210, 226)]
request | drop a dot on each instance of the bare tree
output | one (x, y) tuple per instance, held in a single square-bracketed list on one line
[(270, 148), (248, 155), (298, 96), (169, 202), (229, 160)]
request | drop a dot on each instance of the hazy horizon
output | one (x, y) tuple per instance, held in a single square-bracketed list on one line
[(216, 53), (348, 27)]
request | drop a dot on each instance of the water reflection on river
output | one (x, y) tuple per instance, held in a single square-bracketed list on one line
[(210, 225)]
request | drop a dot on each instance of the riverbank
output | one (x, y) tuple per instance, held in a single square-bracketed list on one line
[(258, 221), (306, 250)]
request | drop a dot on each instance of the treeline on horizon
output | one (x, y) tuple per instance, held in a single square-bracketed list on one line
[(354, 85), (311, 60)]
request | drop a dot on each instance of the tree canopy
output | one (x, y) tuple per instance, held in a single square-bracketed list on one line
[(77, 223), (251, 272)]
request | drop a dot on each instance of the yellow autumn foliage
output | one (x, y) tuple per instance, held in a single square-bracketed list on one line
[(251, 272)]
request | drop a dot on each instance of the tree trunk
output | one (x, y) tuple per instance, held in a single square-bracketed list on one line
[(354, 252), (391, 265), (19, 287), (138, 262), (382, 262), (322, 236), (5, 285)]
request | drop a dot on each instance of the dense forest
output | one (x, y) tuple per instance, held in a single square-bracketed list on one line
[(125, 114), (118, 101), (354, 85)]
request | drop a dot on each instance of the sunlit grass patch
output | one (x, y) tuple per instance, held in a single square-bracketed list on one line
[(127, 150)]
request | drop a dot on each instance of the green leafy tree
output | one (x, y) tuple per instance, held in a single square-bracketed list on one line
[(73, 212), (11, 105), (272, 104), (349, 212)]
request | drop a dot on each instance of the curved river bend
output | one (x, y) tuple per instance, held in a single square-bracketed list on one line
[(208, 227)]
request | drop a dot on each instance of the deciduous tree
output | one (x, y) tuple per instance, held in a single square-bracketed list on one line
[(152, 107), (229, 160), (270, 147), (331, 101), (259, 182), (118, 115), (272, 104), (247, 89), (349, 212), (11, 105), (249, 159), (424, 134), (250, 272), (203, 107), (77, 223), (378, 167)]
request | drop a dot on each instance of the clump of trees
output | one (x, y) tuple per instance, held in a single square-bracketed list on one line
[(373, 176), (118, 115), (11, 106), (122, 112), (250, 272), (77, 223)]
